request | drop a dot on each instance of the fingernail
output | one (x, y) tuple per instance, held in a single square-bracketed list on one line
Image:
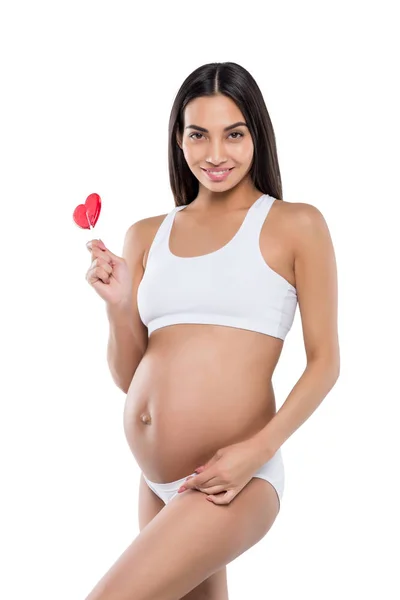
[(181, 489)]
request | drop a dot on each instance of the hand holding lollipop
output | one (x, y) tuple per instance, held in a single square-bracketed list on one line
[(108, 274)]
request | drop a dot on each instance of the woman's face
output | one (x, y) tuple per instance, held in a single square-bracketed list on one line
[(203, 150)]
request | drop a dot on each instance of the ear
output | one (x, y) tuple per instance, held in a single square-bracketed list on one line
[(178, 141)]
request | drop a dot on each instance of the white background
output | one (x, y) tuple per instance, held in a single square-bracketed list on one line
[(87, 89)]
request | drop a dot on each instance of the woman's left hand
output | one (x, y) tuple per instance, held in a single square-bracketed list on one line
[(229, 470)]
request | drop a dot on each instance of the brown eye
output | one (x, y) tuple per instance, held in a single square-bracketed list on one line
[(237, 133)]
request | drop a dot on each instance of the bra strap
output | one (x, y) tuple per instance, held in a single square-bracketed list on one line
[(257, 216), (162, 234)]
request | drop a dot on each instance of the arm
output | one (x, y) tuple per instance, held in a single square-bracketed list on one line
[(316, 284), (128, 336)]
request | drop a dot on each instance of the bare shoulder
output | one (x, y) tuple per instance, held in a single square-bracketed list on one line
[(143, 233), (299, 212), (142, 226), (145, 227), (302, 220)]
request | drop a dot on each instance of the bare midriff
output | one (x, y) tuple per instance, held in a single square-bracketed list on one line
[(198, 388)]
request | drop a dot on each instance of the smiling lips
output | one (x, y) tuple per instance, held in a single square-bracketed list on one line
[(217, 174), (217, 169)]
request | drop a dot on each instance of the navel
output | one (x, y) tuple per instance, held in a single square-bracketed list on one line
[(146, 419)]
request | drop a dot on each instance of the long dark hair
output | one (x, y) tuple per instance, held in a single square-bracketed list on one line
[(232, 80)]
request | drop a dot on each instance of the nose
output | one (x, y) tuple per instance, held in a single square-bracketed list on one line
[(216, 155)]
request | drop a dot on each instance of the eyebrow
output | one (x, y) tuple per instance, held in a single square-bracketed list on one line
[(225, 128)]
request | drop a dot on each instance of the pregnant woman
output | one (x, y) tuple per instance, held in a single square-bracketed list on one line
[(199, 306)]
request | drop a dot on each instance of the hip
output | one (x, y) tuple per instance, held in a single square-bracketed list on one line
[(272, 471)]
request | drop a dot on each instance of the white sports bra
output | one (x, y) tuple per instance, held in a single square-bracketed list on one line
[(232, 286)]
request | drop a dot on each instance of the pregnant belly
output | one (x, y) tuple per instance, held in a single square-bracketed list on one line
[(180, 410)]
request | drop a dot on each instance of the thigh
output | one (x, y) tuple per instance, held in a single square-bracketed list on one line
[(214, 587), (149, 504), (188, 541)]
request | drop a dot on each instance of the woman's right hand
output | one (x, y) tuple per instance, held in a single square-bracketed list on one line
[(109, 275)]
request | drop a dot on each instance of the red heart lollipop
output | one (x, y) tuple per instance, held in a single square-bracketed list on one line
[(86, 215)]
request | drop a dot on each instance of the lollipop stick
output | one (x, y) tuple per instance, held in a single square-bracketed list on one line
[(90, 226)]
